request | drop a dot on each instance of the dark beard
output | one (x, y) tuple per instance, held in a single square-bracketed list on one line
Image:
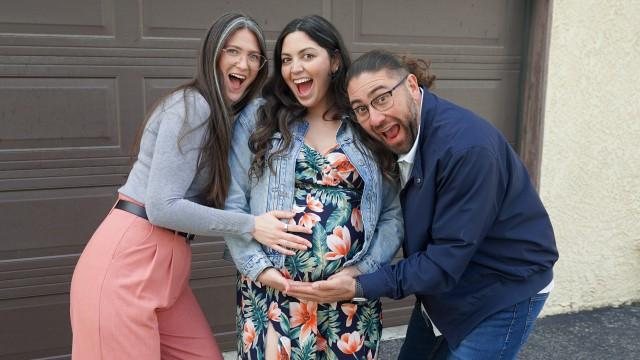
[(411, 125)]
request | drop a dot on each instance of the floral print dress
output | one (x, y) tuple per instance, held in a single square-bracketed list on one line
[(327, 200)]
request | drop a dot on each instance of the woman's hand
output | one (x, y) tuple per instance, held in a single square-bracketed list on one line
[(274, 279), (351, 271), (271, 232)]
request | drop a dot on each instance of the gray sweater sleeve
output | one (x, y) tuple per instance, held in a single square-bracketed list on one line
[(173, 170)]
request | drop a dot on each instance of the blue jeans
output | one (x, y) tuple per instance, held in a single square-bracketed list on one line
[(500, 336)]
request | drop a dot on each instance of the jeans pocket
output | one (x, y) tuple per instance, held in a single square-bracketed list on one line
[(536, 303)]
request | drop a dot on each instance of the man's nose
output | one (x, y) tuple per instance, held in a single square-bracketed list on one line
[(375, 117)]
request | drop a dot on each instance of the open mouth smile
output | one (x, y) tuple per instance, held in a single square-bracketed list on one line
[(237, 80), (303, 86), (391, 132)]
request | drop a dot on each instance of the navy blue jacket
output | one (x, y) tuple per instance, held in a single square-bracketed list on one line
[(477, 237)]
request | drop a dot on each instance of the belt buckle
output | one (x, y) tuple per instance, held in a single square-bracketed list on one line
[(187, 236)]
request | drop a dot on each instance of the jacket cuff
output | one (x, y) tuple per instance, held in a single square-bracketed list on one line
[(372, 285), (255, 267)]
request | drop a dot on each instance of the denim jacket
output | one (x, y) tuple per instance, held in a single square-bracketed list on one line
[(380, 206)]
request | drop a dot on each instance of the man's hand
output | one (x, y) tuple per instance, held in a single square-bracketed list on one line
[(338, 287)]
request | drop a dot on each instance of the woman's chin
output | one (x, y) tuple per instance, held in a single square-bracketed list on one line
[(232, 97)]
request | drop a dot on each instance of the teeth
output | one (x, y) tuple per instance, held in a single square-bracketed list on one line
[(300, 81), (241, 77)]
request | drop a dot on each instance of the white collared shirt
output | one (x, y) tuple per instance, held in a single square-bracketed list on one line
[(405, 161)]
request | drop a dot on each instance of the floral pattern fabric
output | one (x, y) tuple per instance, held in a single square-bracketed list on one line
[(327, 200)]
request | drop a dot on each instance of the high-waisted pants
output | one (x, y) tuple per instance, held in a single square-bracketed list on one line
[(130, 295)]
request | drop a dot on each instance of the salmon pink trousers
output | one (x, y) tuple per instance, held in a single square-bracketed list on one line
[(130, 295)]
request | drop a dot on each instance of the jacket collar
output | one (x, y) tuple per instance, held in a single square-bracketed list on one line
[(426, 121), (299, 129), (344, 135)]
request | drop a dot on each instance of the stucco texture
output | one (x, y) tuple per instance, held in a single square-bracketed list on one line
[(590, 176)]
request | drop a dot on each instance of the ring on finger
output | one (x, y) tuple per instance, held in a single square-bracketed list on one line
[(286, 227)]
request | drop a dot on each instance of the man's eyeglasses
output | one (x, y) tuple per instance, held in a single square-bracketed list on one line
[(255, 60), (382, 102)]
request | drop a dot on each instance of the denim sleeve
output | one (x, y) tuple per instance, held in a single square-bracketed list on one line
[(247, 253), (388, 234)]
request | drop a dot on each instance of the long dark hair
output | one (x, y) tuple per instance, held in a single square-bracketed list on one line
[(281, 106), (208, 81), (374, 61)]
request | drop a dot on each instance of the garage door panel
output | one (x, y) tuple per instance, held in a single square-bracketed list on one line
[(214, 296), (35, 286), (52, 337), (51, 222), (438, 27), (57, 158), (46, 17), (492, 98), (211, 269), (190, 18), (50, 117), (87, 175), (62, 182), (154, 88), (35, 268), (430, 22), (207, 261), (62, 115), (8, 169), (397, 312)]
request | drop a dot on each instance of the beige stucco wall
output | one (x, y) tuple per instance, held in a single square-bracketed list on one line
[(590, 178)]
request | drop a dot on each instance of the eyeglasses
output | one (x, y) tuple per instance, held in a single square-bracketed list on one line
[(255, 60), (382, 102)]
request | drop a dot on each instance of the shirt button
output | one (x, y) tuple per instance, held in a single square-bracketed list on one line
[(418, 180)]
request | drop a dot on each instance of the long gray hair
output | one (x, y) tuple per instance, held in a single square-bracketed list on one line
[(208, 81)]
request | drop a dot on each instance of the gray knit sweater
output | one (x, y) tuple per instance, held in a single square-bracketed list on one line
[(164, 178)]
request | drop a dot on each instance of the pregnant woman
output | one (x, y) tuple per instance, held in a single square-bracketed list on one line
[(296, 150)]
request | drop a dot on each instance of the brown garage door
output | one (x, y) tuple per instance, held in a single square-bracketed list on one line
[(76, 76)]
